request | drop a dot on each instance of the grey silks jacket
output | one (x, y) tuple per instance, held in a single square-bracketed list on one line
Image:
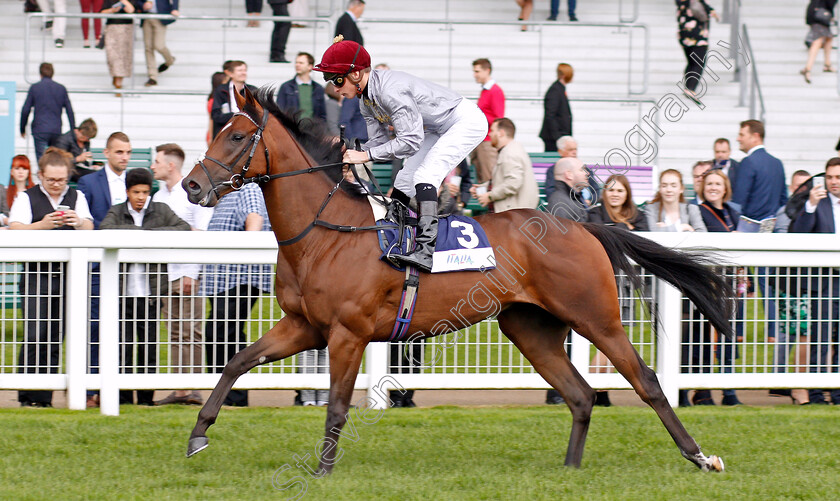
[(412, 105)]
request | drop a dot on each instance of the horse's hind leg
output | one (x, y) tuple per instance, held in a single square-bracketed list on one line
[(540, 337), (613, 342), (289, 336)]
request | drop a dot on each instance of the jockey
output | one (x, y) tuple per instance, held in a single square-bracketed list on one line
[(434, 129)]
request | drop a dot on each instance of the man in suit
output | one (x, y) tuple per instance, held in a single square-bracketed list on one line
[(154, 37), (760, 185), (759, 190), (346, 25), (513, 183), (557, 121), (48, 98), (722, 160), (821, 214), (281, 31), (104, 188), (224, 105), (302, 93)]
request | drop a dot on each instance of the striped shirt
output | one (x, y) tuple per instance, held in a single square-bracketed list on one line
[(229, 215)]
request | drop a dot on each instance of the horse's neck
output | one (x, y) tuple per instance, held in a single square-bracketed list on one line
[(293, 204)]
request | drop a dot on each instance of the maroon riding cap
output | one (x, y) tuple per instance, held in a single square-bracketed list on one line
[(343, 57)]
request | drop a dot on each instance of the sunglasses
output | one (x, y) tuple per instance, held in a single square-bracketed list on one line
[(338, 80)]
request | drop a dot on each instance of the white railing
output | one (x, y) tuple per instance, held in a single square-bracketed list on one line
[(478, 357)]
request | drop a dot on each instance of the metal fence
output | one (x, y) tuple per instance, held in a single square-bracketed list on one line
[(786, 321)]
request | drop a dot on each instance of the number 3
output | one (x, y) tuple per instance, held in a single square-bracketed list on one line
[(467, 230)]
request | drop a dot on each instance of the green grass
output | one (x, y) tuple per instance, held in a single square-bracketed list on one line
[(438, 453)]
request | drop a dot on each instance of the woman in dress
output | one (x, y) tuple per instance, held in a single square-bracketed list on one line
[(820, 36), (119, 38), (694, 39)]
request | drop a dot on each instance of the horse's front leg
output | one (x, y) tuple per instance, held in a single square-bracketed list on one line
[(346, 352), (289, 336)]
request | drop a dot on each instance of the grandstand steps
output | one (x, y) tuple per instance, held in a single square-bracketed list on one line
[(598, 53)]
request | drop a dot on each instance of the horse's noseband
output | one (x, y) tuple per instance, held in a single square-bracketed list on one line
[(237, 181)]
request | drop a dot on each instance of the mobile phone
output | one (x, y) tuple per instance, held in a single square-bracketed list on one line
[(819, 182), (63, 208)]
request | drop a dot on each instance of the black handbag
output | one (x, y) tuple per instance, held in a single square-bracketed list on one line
[(822, 16)]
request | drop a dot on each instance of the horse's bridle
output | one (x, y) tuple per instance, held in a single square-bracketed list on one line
[(237, 181)]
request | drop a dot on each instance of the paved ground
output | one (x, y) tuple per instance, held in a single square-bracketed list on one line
[(430, 398)]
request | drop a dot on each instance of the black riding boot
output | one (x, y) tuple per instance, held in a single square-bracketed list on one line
[(427, 229)]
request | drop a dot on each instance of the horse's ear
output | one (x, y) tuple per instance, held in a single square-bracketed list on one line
[(242, 100)]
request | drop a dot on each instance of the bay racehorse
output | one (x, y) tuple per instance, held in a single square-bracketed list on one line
[(336, 293)]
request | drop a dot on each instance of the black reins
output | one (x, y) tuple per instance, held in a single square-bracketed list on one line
[(237, 181)]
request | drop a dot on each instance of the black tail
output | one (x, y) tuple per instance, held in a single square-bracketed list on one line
[(690, 272)]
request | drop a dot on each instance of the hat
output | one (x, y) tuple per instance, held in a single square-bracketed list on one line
[(343, 56)]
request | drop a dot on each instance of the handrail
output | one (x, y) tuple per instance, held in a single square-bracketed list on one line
[(635, 15), (741, 51), (755, 85), (594, 99), (330, 25), (542, 24)]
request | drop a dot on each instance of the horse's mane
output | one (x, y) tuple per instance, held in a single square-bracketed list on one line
[(312, 134)]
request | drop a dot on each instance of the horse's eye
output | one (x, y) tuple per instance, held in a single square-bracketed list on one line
[(237, 137)]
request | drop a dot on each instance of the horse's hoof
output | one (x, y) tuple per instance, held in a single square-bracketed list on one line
[(715, 463), (196, 445)]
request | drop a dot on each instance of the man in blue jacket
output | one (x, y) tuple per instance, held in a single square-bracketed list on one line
[(302, 93), (154, 37), (760, 188), (48, 98), (821, 214)]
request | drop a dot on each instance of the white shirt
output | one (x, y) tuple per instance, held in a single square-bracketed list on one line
[(196, 216), (754, 148), (488, 84), (116, 185), (835, 207), (138, 285), (21, 211)]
